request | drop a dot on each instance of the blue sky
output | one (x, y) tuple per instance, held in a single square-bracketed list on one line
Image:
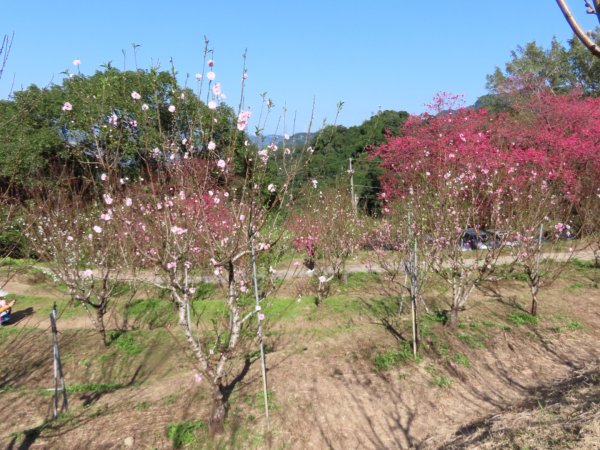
[(389, 54)]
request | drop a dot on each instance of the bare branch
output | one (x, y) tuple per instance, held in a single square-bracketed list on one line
[(582, 35)]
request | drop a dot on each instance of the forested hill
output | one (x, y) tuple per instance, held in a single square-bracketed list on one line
[(334, 146)]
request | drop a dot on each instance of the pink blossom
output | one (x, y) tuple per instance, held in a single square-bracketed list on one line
[(243, 289), (245, 76), (264, 154), (261, 316), (178, 230), (242, 217), (314, 183), (113, 120), (107, 199), (97, 229), (212, 105), (211, 63), (322, 279), (135, 95), (197, 378), (171, 108), (77, 62), (243, 118), (67, 106), (69, 238), (211, 75), (198, 76), (217, 89), (257, 308), (145, 107), (271, 188), (212, 146), (87, 273), (104, 177), (128, 202), (192, 290), (171, 265), (221, 164)]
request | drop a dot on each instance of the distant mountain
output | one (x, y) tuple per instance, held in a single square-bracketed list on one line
[(278, 139)]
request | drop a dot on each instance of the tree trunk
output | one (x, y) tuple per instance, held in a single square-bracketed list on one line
[(534, 302), (217, 411), (100, 326), (457, 301), (453, 319)]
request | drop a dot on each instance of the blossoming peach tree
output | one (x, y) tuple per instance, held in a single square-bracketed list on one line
[(173, 188), (75, 237), (206, 212), (447, 172)]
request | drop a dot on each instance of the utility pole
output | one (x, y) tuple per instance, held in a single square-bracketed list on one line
[(352, 198)]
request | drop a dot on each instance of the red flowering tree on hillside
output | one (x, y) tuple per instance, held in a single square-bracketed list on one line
[(449, 173)]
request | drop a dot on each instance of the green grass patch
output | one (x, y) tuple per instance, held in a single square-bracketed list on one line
[(389, 359), (437, 379), (522, 318), (360, 280), (472, 341), (142, 406), (461, 359), (127, 342), (186, 433), (441, 381), (88, 387), (152, 312), (581, 265)]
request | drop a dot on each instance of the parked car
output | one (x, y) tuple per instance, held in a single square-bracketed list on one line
[(473, 239), (500, 238)]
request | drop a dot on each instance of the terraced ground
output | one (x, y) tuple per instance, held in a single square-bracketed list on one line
[(340, 376)]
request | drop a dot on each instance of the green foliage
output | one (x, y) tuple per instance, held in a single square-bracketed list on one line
[(461, 359), (185, 433), (438, 379), (522, 318), (334, 145), (559, 68), (105, 125), (153, 312), (471, 340), (127, 342), (93, 387), (441, 381), (393, 358)]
